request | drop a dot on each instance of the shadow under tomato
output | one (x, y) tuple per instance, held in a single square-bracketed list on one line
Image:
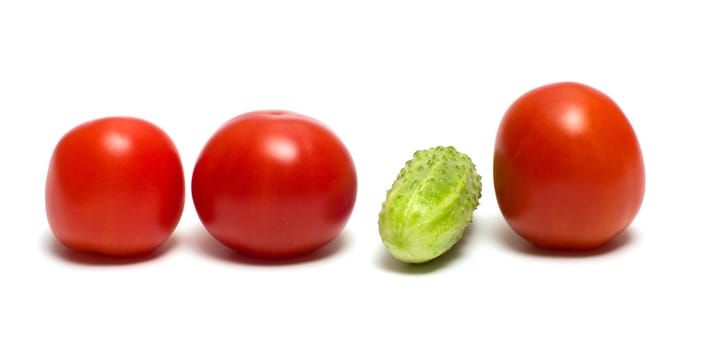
[(514, 242), (203, 242), (66, 254), (387, 262)]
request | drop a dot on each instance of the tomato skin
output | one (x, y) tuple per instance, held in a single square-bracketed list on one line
[(274, 184), (115, 186), (568, 168)]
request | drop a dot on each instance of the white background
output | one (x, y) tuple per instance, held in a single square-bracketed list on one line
[(389, 77)]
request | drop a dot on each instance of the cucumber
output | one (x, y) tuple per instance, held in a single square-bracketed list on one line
[(429, 205)]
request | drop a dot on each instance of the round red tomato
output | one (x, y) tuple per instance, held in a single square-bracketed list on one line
[(115, 186), (274, 184), (568, 168)]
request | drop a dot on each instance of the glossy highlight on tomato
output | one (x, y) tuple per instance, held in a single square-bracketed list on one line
[(274, 184), (568, 168), (115, 186)]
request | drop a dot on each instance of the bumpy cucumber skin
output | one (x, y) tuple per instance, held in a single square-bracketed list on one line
[(429, 204)]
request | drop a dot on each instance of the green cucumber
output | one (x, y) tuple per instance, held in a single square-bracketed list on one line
[(429, 204)]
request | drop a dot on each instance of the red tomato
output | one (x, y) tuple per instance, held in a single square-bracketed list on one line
[(274, 184), (115, 186), (568, 168)]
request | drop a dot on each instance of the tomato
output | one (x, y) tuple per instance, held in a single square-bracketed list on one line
[(115, 186), (568, 168), (274, 184)]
